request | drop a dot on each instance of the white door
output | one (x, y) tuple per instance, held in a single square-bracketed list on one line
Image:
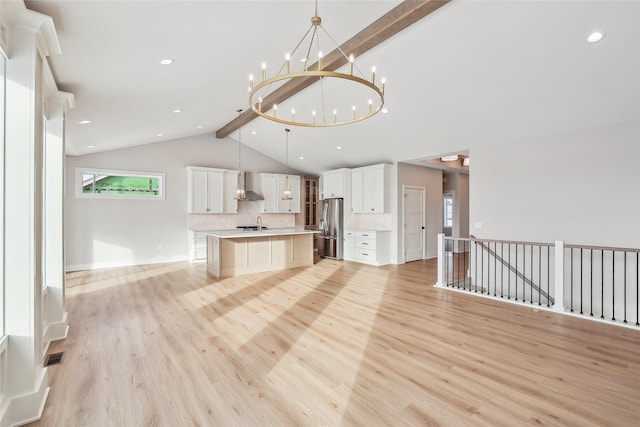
[(413, 213)]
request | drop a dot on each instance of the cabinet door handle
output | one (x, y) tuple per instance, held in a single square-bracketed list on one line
[(372, 209), (365, 244), (365, 235)]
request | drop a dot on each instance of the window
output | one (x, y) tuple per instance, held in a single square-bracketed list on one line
[(114, 184), (448, 209)]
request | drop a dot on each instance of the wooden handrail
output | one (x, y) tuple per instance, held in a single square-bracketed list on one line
[(517, 273)]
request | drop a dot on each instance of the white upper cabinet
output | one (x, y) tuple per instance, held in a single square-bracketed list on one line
[(206, 190), (230, 204), (334, 183), (370, 189), (293, 205), (271, 187)]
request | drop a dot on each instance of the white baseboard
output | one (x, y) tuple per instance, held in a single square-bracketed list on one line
[(28, 407), (55, 331), (123, 263)]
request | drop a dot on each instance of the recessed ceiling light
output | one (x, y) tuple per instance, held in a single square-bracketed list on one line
[(253, 132), (384, 111), (594, 37), (449, 158), (90, 146), (339, 147), (84, 122), (200, 126), (301, 158), (167, 61), (177, 110), (160, 134)]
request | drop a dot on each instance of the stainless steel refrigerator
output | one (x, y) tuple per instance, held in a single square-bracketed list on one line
[(330, 239)]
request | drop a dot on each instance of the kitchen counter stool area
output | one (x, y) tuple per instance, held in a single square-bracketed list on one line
[(232, 253)]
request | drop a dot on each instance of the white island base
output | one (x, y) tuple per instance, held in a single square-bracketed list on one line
[(232, 255)]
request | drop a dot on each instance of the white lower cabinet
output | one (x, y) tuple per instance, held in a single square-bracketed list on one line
[(349, 245), (197, 244), (368, 247)]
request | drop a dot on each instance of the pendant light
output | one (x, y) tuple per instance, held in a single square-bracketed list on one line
[(286, 193), (240, 192)]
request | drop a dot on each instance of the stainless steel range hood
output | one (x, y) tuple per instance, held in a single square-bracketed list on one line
[(252, 196)]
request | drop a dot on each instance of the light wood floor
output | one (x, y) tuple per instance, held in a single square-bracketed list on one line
[(336, 344)]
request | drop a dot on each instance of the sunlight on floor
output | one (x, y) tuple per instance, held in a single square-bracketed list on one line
[(315, 348), (98, 285)]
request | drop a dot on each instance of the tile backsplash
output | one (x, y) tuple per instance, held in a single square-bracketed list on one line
[(247, 215)]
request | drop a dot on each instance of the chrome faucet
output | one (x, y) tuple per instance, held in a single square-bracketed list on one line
[(259, 220)]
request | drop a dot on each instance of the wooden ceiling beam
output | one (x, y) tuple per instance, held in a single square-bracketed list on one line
[(391, 23)]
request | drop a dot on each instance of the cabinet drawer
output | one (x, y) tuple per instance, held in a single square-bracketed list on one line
[(366, 234), (200, 242), (365, 243), (366, 254), (200, 253)]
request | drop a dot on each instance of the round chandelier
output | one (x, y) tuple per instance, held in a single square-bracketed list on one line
[(329, 103)]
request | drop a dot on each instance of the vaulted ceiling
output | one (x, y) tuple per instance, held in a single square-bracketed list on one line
[(471, 73)]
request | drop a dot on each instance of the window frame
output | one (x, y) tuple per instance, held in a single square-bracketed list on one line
[(81, 171)]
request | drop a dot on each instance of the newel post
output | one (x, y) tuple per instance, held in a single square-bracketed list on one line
[(559, 276), (441, 255)]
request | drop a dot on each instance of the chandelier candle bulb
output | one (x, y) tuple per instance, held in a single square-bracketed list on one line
[(264, 71), (335, 115), (383, 81), (353, 110), (250, 82), (320, 61), (287, 58), (370, 105), (275, 110), (260, 104), (313, 113), (293, 115), (351, 59), (373, 75)]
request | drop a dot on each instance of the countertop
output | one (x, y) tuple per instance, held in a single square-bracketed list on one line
[(235, 234)]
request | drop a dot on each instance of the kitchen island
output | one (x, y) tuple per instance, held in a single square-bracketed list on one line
[(233, 252)]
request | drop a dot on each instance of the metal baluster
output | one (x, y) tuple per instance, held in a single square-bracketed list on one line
[(458, 263), (481, 266), (464, 257), (624, 296), (591, 283), (602, 285), (637, 290), (516, 272), (495, 267), (509, 273), (502, 270), (581, 259), (475, 246), (613, 285)]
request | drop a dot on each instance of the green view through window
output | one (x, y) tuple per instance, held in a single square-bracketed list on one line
[(119, 184)]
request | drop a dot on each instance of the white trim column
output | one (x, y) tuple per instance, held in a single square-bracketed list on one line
[(56, 325), (32, 37)]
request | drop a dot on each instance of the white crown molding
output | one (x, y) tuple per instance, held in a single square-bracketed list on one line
[(44, 28)]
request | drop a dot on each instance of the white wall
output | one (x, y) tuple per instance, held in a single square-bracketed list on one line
[(582, 187), (105, 233), (431, 179)]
